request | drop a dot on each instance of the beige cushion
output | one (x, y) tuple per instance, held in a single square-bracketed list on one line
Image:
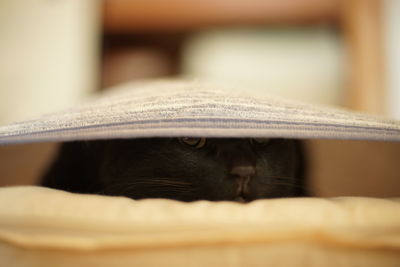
[(46, 227)]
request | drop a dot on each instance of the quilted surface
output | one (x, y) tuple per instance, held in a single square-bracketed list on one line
[(46, 227)]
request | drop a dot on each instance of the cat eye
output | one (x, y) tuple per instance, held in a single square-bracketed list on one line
[(193, 142), (260, 141)]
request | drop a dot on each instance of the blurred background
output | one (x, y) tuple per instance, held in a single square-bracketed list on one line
[(54, 53)]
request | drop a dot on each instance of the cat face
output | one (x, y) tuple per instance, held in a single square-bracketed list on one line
[(197, 168), (191, 169)]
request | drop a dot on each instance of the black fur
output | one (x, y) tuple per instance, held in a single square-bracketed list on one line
[(221, 169)]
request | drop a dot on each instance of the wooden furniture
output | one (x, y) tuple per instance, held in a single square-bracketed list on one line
[(362, 27), (358, 20), (172, 15)]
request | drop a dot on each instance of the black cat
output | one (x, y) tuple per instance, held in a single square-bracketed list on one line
[(185, 169)]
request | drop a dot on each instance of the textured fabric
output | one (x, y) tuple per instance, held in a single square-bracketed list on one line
[(179, 108), (46, 227)]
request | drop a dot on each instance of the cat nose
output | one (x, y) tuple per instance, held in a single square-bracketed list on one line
[(243, 171)]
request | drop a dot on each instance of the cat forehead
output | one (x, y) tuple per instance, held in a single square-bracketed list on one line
[(217, 142), (228, 141), (232, 143)]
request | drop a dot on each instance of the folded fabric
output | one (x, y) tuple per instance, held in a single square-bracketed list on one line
[(181, 108)]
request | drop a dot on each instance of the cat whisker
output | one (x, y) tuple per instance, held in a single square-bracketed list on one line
[(171, 182), (152, 186)]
